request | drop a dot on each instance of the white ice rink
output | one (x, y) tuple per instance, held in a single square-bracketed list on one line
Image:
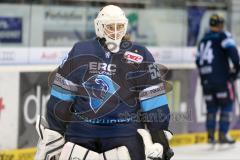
[(205, 152)]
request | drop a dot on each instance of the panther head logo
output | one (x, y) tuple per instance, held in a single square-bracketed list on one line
[(99, 88)]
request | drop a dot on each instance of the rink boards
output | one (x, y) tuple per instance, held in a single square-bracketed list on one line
[(179, 140)]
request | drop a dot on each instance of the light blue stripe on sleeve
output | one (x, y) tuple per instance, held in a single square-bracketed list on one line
[(153, 103), (61, 95), (61, 90), (229, 42)]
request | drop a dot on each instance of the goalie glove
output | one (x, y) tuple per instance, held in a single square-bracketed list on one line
[(50, 143), (152, 150), (163, 137)]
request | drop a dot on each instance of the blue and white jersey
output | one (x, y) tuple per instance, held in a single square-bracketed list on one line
[(96, 93), (214, 51)]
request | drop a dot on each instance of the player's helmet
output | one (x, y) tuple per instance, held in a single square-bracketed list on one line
[(111, 24), (216, 20)]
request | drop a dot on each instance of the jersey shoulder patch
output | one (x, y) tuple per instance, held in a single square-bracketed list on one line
[(133, 57)]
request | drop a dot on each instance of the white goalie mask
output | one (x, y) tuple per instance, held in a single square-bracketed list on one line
[(111, 24)]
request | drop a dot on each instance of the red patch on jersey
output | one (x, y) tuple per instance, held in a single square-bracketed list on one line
[(133, 57)]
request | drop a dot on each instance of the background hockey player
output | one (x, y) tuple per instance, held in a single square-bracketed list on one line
[(215, 50), (97, 94)]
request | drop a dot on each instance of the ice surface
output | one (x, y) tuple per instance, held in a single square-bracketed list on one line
[(207, 152)]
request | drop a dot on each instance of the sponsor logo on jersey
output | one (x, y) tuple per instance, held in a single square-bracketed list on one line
[(206, 70), (152, 91), (133, 57), (99, 88)]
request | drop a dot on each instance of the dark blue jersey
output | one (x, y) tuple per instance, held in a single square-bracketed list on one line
[(97, 93), (214, 52)]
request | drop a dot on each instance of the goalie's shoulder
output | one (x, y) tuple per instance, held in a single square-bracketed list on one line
[(84, 47), (141, 50), (138, 47)]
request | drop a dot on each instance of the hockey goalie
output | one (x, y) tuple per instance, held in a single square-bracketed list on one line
[(107, 100)]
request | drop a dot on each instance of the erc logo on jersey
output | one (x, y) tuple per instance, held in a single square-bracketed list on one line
[(102, 68), (100, 88)]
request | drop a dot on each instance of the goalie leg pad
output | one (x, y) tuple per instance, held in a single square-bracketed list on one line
[(74, 151), (50, 142), (120, 153)]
